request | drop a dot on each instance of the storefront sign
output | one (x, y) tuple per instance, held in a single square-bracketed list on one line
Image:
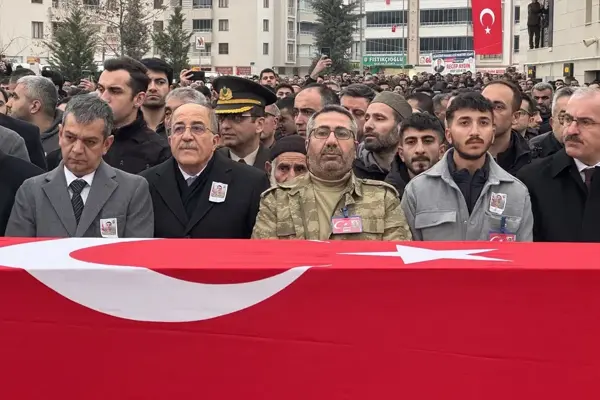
[(453, 62), (384, 60)]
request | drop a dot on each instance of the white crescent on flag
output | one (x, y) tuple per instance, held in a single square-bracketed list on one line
[(483, 13), (135, 293)]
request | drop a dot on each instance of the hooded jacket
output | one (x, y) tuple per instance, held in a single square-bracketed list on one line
[(398, 176), (50, 136), (366, 167)]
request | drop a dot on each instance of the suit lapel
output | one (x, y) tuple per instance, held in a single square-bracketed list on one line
[(56, 190), (168, 190), (220, 172), (102, 188), (263, 155)]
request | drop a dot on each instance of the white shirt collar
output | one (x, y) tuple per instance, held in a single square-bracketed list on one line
[(581, 166), (186, 176), (249, 159), (70, 177)]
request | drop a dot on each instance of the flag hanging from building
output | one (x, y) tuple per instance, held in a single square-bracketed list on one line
[(487, 26)]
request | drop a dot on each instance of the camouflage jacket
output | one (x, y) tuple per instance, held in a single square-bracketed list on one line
[(290, 212)]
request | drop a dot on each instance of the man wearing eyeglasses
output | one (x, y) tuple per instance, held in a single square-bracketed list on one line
[(330, 202), (199, 192), (241, 112), (565, 187)]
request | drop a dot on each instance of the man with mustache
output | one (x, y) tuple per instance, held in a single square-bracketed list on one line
[(330, 202), (422, 144), (381, 135), (467, 195), (199, 192), (565, 187)]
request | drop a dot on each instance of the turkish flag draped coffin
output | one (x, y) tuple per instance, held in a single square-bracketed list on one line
[(487, 26), (200, 319)]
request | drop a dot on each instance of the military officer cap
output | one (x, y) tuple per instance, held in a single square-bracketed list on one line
[(238, 95)]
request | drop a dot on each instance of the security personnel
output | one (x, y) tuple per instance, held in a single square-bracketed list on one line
[(330, 202), (241, 113)]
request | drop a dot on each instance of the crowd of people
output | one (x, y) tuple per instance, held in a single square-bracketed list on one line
[(136, 153)]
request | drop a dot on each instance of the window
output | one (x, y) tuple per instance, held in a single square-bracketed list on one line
[(445, 43), (386, 46), (223, 3), (37, 30), (223, 48), (516, 43), (448, 16), (306, 28), (202, 25), (291, 55), (157, 25), (38, 1), (266, 4), (202, 4), (55, 3), (386, 18), (91, 3), (517, 14), (223, 24), (265, 25), (158, 4), (265, 49), (588, 11)]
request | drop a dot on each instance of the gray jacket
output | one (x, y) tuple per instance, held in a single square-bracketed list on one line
[(13, 144), (43, 207), (436, 209)]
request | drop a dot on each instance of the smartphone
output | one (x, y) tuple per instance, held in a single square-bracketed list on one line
[(198, 76), (325, 51), (87, 74)]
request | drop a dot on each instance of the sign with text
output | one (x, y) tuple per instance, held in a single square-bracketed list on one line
[(384, 60), (453, 62), (243, 70), (425, 59), (200, 43), (224, 70)]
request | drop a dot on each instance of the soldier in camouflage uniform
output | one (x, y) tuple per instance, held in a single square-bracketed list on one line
[(330, 203)]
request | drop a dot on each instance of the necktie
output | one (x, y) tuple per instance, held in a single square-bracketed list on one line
[(241, 160), (588, 173), (190, 180), (76, 201)]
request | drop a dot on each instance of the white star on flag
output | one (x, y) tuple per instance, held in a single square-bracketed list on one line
[(487, 30), (413, 255)]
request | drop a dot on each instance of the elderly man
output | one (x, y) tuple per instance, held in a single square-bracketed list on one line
[(200, 193), (329, 202), (83, 195), (267, 135), (34, 100), (288, 159), (179, 97), (241, 112)]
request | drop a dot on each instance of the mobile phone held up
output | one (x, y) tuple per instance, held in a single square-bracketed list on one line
[(196, 76), (326, 51)]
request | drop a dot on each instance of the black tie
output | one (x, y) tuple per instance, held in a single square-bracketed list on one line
[(76, 201), (588, 174), (241, 160)]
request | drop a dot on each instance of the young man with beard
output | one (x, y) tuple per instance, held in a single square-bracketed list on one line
[(381, 135), (422, 144), (161, 77), (467, 196)]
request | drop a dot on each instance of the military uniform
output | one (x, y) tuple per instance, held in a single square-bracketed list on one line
[(290, 211)]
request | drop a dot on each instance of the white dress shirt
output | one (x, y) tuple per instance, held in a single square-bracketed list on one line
[(249, 159), (187, 176), (89, 178), (581, 166)]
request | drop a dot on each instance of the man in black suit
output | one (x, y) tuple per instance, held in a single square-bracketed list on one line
[(565, 187), (200, 193), (242, 118), (13, 172), (31, 134)]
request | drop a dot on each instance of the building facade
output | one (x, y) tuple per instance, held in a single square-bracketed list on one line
[(570, 36)]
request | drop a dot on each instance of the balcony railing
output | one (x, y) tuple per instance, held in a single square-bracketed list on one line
[(291, 35), (307, 33)]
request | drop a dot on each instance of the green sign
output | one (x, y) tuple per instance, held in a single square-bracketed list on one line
[(384, 60)]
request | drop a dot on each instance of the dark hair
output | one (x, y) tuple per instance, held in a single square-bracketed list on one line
[(287, 103), (267, 71), (531, 105), (517, 95), (374, 87), (205, 91), (359, 90), (19, 73), (469, 101), (284, 86), (159, 65), (424, 101), (328, 96), (64, 100), (138, 72), (4, 94), (423, 122), (55, 77)]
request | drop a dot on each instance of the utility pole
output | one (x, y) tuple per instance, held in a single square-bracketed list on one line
[(362, 36)]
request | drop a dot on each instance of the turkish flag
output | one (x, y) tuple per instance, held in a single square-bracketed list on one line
[(487, 26)]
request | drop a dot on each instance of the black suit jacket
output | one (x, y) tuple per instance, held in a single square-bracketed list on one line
[(263, 155), (13, 172), (562, 210), (31, 134), (234, 218)]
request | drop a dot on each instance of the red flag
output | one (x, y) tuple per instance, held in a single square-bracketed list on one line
[(387, 2), (393, 28), (487, 26)]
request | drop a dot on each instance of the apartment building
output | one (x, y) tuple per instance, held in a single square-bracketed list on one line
[(570, 41)]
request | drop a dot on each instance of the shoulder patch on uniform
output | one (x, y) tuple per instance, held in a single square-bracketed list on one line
[(269, 190), (372, 182)]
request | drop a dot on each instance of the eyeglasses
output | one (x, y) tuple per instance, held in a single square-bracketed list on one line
[(581, 122), (195, 129), (524, 112), (236, 118), (323, 132)]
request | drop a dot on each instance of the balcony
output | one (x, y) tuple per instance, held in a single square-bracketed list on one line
[(307, 15), (304, 61), (306, 38)]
